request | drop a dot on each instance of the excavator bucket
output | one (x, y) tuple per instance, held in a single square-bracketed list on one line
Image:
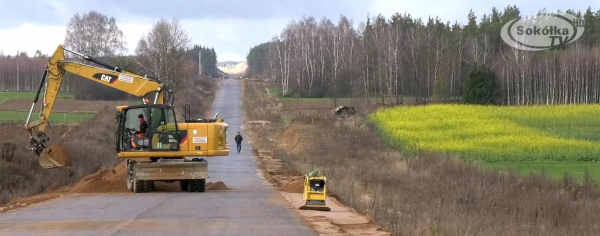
[(54, 157)]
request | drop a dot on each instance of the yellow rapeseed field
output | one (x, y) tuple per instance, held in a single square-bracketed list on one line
[(497, 133)]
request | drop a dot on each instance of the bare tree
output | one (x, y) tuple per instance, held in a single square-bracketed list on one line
[(283, 58), (162, 51), (94, 34)]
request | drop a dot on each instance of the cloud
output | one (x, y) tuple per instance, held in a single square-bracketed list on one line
[(15, 13), (132, 33), (30, 37), (450, 11), (232, 38), (242, 9)]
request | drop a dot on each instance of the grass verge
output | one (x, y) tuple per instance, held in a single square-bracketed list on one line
[(8, 95)]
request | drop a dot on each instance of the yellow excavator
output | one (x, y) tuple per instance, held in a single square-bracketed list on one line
[(162, 149)]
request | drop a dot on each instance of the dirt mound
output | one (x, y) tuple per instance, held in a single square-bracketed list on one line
[(294, 187), (113, 180), (289, 139), (103, 181), (216, 186)]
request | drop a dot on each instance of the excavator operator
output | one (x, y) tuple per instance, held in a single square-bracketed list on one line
[(143, 125), (138, 139)]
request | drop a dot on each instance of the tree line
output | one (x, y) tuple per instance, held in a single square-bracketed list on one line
[(406, 57), (208, 57), (21, 72), (165, 52)]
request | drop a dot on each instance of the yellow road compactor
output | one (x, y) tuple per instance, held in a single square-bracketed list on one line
[(156, 146), (315, 192)]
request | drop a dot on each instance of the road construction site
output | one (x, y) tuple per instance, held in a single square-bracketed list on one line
[(239, 199)]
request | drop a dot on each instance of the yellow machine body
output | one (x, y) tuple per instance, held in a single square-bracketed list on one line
[(315, 193), (196, 140)]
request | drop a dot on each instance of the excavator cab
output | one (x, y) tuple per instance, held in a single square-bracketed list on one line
[(161, 134)]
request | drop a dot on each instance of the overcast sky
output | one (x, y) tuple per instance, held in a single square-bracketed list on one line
[(232, 27)]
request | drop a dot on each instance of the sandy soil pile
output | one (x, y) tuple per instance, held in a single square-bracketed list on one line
[(294, 187), (289, 139), (113, 180), (103, 181), (216, 186)]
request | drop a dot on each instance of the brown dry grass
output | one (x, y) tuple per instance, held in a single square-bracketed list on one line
[(199, 96), (91, 147), (427, 195)]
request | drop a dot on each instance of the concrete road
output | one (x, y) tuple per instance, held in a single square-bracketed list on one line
[(254, 207)]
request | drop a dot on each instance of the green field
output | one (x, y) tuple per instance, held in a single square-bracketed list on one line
[(7, 95), (275, 90), (556, 139), (21, 117)]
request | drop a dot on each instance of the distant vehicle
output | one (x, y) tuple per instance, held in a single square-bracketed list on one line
[(343, 111)]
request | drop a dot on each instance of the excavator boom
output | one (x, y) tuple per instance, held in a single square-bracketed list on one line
[(137, 85)]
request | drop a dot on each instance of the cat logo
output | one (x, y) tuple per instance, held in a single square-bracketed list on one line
[(106, 78), (111, 79)]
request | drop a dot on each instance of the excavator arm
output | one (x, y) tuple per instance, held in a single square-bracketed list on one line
[(132, 83)]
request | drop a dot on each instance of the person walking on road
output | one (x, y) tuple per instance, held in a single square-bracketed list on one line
[(238, 141)]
